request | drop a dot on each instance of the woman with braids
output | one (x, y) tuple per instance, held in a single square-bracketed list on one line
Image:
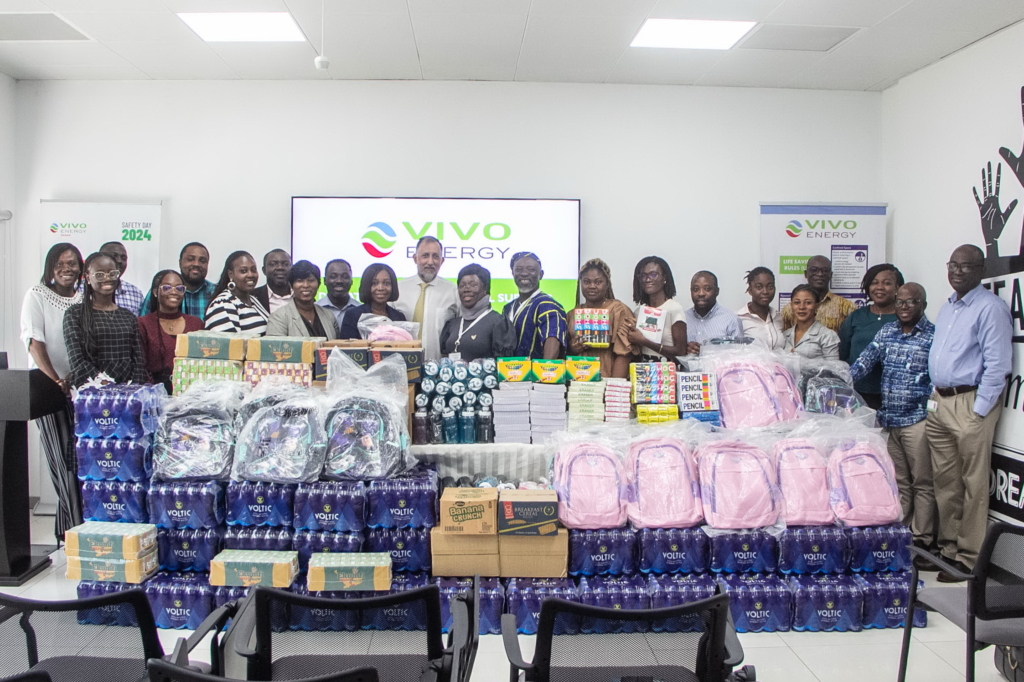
[(880, 284), (233, 308), (654, 287), (595, 291), (161, 322), (42, 330), (760, 320), (103, 339)]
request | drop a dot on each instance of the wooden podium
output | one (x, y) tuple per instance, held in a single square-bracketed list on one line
[(24, 395)]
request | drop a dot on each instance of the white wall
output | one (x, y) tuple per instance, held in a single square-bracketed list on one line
[(941, 125), (676, 171), (7, 202)]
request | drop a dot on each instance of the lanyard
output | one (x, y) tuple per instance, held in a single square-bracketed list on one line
[(463, 332), (515, 312)]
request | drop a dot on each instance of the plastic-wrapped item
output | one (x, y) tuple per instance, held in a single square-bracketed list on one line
[(747, 391), (826, 603), (409, 547), (803, 482), (105, 615), (118, 410), (882, 548), (591, 483), (749, 551), (261, 539), (862, 481), (525, 595), (492, 602), (401, 618), (759, 603), (330, 505), (188, 549), (676, 590), (738, 485), (785, 367), (259, 504), (222, 594), (323, 620), (186, 505), (673, 550), (626, 592), (366, 423), (828, 387), (310, 542), (196, 434), (887, 598), (813, 549), (410, 500), (114, 501), (114, 459), (179, 601), (380, 328), (273, 390), (602, 552), (282, 443), (663, 487)]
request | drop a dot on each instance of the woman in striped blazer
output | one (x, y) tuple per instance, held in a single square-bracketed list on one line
[(234, 308)]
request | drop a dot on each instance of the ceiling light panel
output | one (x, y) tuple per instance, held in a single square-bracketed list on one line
[(244, 27), (691, 34)]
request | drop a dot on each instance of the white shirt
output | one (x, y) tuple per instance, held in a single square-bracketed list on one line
[(673, 313), (767, 332), (440, 305), (277, 302), (42, 319)]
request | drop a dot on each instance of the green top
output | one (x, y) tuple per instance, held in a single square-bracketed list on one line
[(256, 556), (109, 528), (336, 559)]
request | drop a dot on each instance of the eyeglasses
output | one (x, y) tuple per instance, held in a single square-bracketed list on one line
[(111, 276), (649, 276), (168, 288), (965, 268), (906, 302), (819, 271)]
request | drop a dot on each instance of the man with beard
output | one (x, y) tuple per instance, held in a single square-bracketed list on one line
[(833, 309), (538, 319), (338, 280), (277, 292), (193, 265), (426, 298)]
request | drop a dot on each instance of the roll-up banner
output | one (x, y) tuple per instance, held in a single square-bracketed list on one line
[(852, 236), (89, 225)]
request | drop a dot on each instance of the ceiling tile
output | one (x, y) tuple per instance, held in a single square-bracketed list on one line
[(734, 10), (24, 6), (633, 9), (123, 71), (65, 53), (270, 61), (226, 5), (976, 17), (761, 68), (903, 43), (834, 12), (175, 60), (157, 26), (106, 5), (663, 66), (37, 26), (798, 38), (471, 45)]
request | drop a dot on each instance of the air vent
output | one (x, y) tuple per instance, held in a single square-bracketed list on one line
[(36, 26), (798, 38)]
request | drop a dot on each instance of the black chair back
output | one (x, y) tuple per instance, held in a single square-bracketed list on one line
[(998, 591), (34, 676), (163, 671), (464, 636), (113, 634), (670, 644)]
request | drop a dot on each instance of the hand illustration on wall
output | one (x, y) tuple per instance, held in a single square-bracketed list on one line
[(993, 218)]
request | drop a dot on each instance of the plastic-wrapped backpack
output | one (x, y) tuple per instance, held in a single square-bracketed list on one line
[(196, 436), (663, 487), (738, 487), (862, 484), (591, 485), (365, 439), (828, 391), (281, 443), (747, 395), (786, 393), (803, 482)]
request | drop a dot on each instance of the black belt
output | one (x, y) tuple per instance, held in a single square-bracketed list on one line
[(954, 390)]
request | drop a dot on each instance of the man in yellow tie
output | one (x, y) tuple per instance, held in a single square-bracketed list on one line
[(426, 298)]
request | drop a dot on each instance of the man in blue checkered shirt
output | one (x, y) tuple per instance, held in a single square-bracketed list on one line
[(902, 348)]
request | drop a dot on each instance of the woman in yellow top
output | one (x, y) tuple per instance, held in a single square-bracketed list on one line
[(595, 291)]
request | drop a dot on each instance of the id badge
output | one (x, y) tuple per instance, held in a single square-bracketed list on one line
[(932, 406)]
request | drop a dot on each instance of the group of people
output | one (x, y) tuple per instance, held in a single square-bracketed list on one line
[(935, 387)]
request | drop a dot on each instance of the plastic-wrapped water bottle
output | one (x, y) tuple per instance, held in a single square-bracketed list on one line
[(886, 599), (602, 552), (626, 592), (467, 426), (179, 601), (813, 549), (114, 501), (188, 549), (676, 590), (673, 550), (525, 596), (744, 551), (881, 548), (492, 601), (308, 542), (409, 547), (826, 603), (759, 603)]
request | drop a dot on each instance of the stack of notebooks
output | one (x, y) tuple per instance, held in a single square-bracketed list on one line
[(616, 400), (547, 410), (586, 402), (512, 412)]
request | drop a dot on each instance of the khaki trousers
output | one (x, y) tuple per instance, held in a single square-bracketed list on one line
[(912, 458), (961, 446)]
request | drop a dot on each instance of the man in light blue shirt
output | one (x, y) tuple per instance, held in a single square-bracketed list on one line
[(707, 320), (338, 281), (968, 364)]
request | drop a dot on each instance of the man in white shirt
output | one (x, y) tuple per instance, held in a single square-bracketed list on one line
[(426, 298)]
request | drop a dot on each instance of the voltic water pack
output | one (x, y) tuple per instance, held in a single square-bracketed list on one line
[(114, 501), (676, 590), (187, 505), (410, 500), (626, 592), (180, 601), (409, 547), (262, 539), (105, 615), (310, 542), (826, 603), (188, 549), (492, 602), (748, 551), (602, 552), (118, 410), (759, 603), (887, 598), (260, 504), (114, 459), (525, 595), (879, 548), (673, 550), (813, 549), (330, 505)]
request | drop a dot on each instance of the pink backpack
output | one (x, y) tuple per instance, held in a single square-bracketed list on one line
[(803, 481), (862, 486), (737, 483), (591, 486), (786, 393), (746, 396), (663, 488)]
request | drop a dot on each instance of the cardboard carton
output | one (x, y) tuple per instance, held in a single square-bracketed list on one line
[(245, 568), (462, 555), (527, 512), (300, 349), (515, 369), (345, 571), (296, 373), (99, 540), (549, 371), (357, 349), (469, 511), (210, 346), (534, 557), (113, 570), (580, 368), (411, 352), (189, 370)]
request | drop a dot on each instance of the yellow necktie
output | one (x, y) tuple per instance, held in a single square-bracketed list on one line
[(417, 313)]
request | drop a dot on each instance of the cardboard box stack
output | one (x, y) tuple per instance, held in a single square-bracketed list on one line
[(206, 355), (111, 552), (466, 540), (617, 400), (290, 357)]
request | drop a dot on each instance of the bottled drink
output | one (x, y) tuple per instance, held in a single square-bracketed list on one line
[(813, 549), (467, 426), (450, 425), (484, 426), (525, 596), (880, 548), (492, 601), (437, 425), (191, 505), (742, 551), (759, 603), (309, 542), (188, 549), (625, 592), (673, 550), (602, 552), (179, 601), (676, 590), (420, 426), (886, 597), (409, 547), (826, 603)]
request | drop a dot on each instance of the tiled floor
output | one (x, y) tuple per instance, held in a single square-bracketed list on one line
[(937, 654)]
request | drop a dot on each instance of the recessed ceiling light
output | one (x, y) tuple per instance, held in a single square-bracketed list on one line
[(243, 27), (691, 33)]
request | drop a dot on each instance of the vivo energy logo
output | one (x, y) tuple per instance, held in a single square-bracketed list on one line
[(794, 228), (379, 241), (68, 228)]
